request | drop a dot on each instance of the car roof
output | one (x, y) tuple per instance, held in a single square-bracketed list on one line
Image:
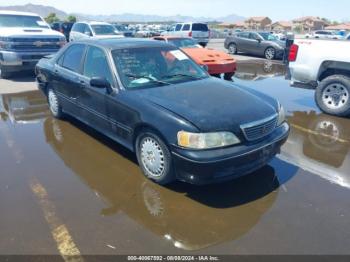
[(172, 37), (119, 43), (6, 12), (93, 23)]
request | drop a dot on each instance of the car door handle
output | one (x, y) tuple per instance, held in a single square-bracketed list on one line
[(83, 83)]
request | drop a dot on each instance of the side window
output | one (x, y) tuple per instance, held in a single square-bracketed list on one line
[(186, 27), (80, 28), (254, 36), (243, 35), (72, 57), (178, 27), (96, 64)]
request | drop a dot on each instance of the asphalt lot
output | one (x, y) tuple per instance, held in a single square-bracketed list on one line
[(68, 190)]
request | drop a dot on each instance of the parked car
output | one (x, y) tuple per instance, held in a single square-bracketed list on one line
[(122, 29), (324, 34), (83, 30), (24, 39), (323, 66), (152, 98), (217, 62), (63, 27), (198, 31), (255, 43)]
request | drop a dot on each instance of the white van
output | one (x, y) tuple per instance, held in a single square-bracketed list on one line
[(198, 31), (83, 30)]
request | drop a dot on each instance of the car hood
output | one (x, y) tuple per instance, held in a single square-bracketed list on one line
[(24, 32), (211, 104), (203, 55)]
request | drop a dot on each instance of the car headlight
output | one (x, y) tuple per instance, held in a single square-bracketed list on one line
[(206, 140), (281, 115)]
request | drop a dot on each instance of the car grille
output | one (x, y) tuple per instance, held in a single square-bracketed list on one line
[(259, 129), (35, 44)]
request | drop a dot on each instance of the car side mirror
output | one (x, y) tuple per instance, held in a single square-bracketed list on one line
[(259, 40), (100, 82), (88, 33)]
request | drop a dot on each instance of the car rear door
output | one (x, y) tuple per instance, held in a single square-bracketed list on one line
[(93, 99), (66, 78), (185, 30), (242, 41)]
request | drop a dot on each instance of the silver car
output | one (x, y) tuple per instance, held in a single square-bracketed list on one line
[(255, 43)]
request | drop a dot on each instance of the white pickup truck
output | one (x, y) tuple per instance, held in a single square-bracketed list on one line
[(323, 65), (24, 39)]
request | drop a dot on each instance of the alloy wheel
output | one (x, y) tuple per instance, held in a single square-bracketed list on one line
[(270, 53), (53, 103), (152, 157), (335, 96)]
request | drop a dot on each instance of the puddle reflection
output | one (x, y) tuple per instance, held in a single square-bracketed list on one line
[(319, 143), (190, 217)]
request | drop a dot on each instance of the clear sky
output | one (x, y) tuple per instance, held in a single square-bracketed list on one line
[(275, 9)]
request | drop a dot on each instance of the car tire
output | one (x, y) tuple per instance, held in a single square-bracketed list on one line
[(154, 158), (3, 73), (54, 104), (228, 76), (270, 53), (332, 95), (232, 48)]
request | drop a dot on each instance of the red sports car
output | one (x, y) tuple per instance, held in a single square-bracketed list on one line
[(218, 62)]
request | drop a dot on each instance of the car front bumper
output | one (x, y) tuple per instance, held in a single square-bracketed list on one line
[(217, 165), (16, 61)]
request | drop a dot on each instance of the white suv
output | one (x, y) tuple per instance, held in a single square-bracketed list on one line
[(198, 31), (83, 30), (324, 34)]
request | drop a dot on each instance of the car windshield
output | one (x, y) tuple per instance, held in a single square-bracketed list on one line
[(121, 28), (155, 66), (22, 21), (103, 29), (268, 37), (183, 43)]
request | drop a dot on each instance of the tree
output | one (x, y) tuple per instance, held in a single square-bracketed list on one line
[(71, 19), (298, 29), (51, 18)]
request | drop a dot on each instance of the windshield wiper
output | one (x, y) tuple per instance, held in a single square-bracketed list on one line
[(148, 78), (186, 75)]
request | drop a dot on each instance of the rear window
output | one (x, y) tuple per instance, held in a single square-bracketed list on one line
[(200, 27)]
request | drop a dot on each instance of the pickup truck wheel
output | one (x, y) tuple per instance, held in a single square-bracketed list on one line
[(54, 104), (232, 48), (332, 95), (3, 73), (154, 158), (270, 53)]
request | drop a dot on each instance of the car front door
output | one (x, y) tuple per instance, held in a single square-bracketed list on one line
[(254, 44), (93, 99), (66, 78)]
